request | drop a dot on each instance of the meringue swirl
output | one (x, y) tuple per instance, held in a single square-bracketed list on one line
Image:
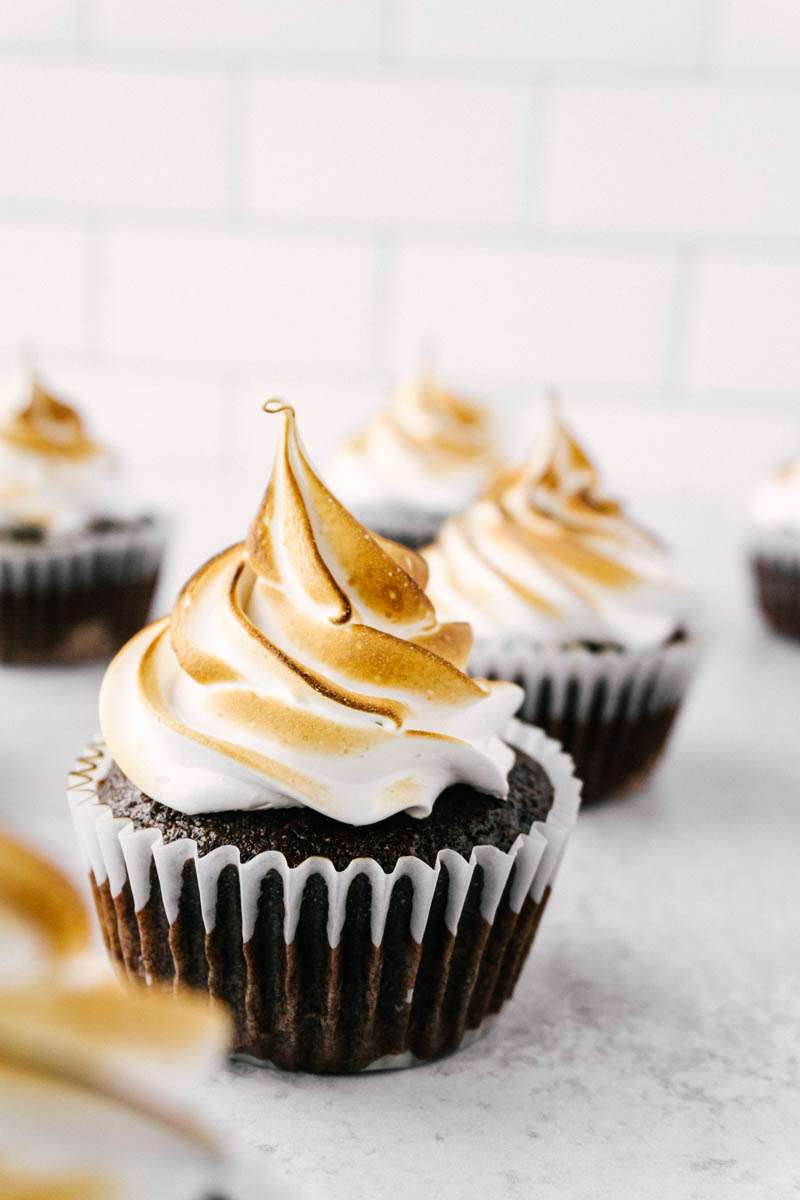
[(545, 554), (52, 474), (305, 666), (429, 449)]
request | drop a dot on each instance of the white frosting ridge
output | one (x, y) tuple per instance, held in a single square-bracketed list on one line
[(543, 553), (52, 475), (429, 450), (305, 667)]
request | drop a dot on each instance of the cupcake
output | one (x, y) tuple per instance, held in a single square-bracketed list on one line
[(98, 1084), (425, 457), (303, 804), (78, 565), (574, 602), (775, 549)]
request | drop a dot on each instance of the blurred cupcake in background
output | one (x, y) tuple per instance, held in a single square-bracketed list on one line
[(569, 598), (100, 1084), (79, 559), (775, 549), (420, 460)]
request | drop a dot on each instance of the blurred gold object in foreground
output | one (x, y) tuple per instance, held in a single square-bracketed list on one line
[(94, 1077)]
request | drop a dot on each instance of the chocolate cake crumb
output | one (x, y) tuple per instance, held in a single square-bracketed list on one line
[(462, 818)]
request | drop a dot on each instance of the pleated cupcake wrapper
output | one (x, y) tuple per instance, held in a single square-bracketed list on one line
[(775, 560), (137, 862), (80, 599), (113, 557), (611, 709)]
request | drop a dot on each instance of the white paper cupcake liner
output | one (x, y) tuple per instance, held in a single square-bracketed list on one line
[(80, 560), (612, 710), (457, 931), (775, 563)]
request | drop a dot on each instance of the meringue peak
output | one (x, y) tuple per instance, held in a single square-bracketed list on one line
[(40, 424), (306, 666), (301, 529)]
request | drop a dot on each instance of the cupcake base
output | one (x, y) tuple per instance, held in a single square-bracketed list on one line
[(326, 970), (778, 591), (310, 1006), (611, 709), (77, 601), (614, 756), (75, 625)]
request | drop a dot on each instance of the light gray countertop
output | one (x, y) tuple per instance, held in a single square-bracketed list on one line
[(652, 1047)]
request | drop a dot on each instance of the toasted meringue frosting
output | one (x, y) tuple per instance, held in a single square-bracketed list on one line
[(52, 475), (94, 1079), (429, 450), (305, 666), (776, 507), (545, 554)]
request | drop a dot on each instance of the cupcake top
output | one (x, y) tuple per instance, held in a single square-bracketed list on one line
[(53, 476), (305, 666), (776, 507), (546, 555), (94, 1079), (429, 450)]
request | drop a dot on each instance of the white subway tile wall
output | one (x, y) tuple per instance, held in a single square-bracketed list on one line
[(694, 160), (385, 152), (562, 316), (555, 32), (43, 284), (233, 299), (241, 27), (98, 136), (203, 204)]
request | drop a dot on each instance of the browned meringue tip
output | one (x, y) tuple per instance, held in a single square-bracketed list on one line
[(42, 896), (277, 405), (48, 426)]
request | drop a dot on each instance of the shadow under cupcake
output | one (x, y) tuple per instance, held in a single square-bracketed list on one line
[(572, 601), (77, 568), (305, 806)]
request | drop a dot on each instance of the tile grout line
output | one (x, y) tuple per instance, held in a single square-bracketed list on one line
[(371, 65), (83, 21), (679, 327), (538, 134), (94, 287), (383, 299), (709, 36), (515, 234), (234, 143), (389, 38)]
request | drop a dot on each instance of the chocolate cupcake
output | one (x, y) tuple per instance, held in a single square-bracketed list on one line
[(304, 804), (419, 461), (78, 563), (775, 549), (572, 601), (100, 1086)]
